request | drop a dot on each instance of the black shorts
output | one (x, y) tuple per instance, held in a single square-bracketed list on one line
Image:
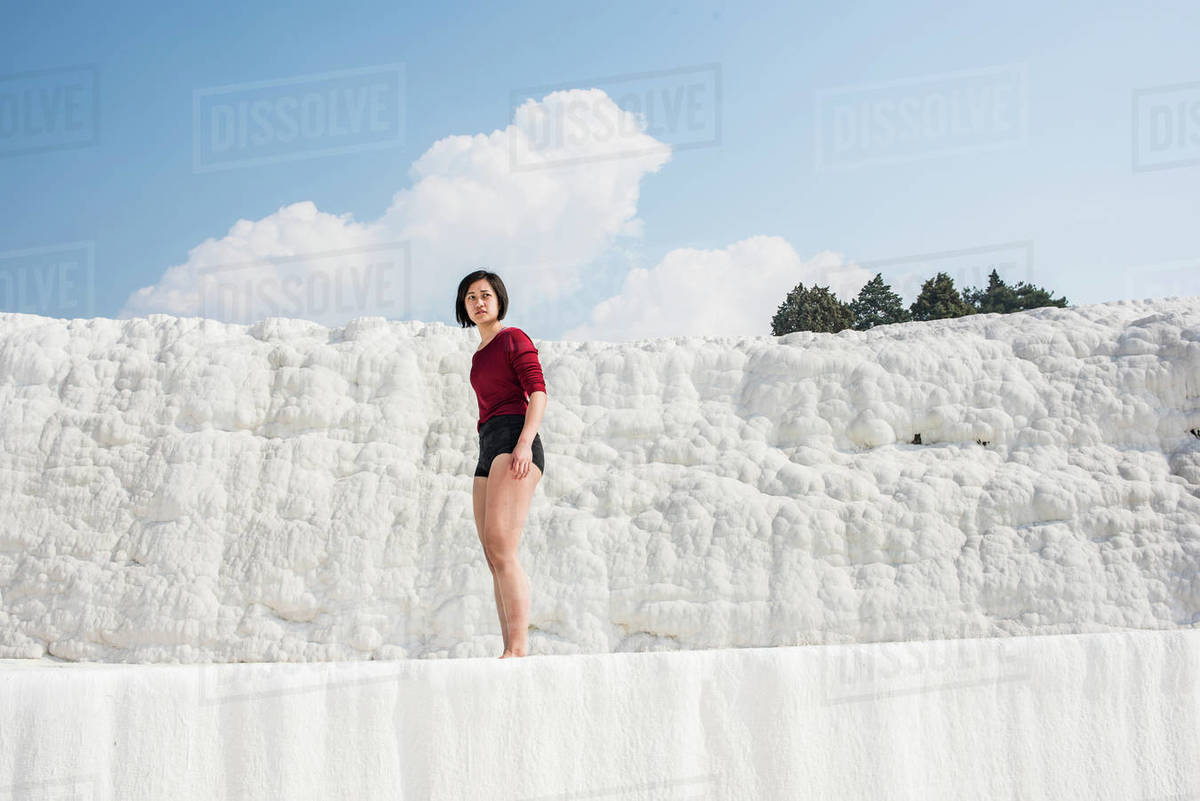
[(499, 435)]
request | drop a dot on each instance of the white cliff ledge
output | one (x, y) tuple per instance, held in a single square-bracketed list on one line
[(1086, 716)]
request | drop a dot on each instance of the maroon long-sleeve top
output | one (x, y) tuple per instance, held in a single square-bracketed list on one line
[(504, 373)]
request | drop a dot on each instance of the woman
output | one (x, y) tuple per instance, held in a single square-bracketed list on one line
[(504, 370)]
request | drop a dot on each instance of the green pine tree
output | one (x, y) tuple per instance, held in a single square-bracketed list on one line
[(997, 298), (788, 316), (815, 309), (939, 300), (1032, 297), (877, 304), (1001, 298)]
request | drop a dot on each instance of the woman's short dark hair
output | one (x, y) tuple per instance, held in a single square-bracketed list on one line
[(460, 310)]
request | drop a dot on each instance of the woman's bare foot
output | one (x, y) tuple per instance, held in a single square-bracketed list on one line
[(506, 655)]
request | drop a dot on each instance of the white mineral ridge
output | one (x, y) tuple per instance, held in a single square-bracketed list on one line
[(185, 490), (1109, 716)]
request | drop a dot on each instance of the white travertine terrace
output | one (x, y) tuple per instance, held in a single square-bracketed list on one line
[(184, 490)]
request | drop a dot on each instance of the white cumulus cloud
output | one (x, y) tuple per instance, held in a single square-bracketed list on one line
[(732, 291), (537, 202)]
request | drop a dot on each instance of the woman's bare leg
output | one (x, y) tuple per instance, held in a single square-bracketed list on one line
[(479, 496), (500, 609), (506, 509)]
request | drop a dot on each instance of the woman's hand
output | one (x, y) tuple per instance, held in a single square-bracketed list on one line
[(522, 457)]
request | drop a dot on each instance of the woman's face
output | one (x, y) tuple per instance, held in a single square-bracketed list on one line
[(481, 302)]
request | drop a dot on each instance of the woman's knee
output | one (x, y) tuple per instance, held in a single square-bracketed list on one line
[(500, 559), (494, 546)]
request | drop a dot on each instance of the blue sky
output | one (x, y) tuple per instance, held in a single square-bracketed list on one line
[(1064, 200)]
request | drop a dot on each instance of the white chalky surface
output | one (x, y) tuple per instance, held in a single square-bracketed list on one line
[(183, 490), (1076, 717)]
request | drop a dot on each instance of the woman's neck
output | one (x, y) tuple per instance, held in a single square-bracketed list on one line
[(489, 331)]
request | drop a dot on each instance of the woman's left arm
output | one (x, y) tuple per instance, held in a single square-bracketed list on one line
[(533, 417), (524, 359)]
